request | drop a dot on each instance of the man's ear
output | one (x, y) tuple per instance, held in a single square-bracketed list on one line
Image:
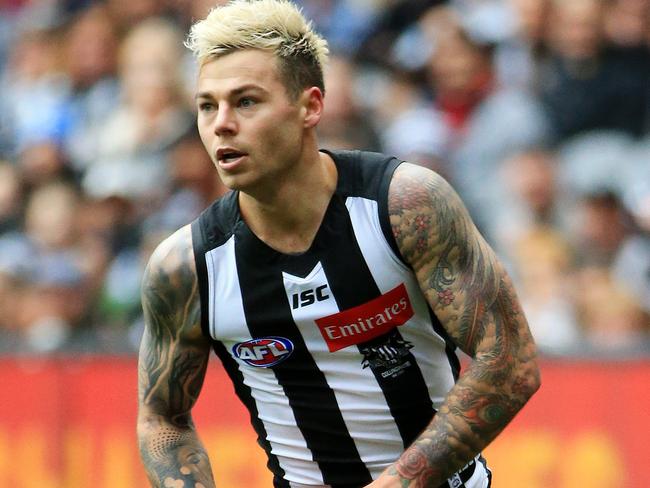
[(312, 102)]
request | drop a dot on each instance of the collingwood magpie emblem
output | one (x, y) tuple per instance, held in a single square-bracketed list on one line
[(388, 355)]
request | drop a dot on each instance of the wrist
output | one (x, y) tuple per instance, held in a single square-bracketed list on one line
[(389, 478)]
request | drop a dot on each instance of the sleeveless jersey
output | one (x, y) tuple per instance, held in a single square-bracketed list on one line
[(335, 352)]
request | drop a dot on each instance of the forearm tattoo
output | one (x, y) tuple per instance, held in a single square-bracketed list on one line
[(475, 301), (172, 364)]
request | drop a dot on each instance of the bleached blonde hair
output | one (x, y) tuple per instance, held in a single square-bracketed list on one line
[(276, 26)]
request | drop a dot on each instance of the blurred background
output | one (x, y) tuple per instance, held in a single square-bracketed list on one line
[(536, 111)]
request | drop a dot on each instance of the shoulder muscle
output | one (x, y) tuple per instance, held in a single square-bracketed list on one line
[(457, 270), (169, 285), (173, 351)]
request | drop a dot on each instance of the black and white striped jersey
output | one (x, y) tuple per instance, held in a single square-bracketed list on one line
[(334, 351)]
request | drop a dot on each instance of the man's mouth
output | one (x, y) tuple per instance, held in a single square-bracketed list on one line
[(228, 156)]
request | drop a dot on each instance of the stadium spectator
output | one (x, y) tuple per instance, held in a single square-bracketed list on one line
[(417, 133), (33, 78), (15, 272), (43, 161), (90, 46), (185, 11), (627, 23), (129, 13), (129, 158), (601, 227), (345, 22), (631, 265), (45, 262), (585, 85), (11, 198), (519, 55), (543, 266), (487, 122), (613, 321), (344, 123), (534, 196), (392, 22)]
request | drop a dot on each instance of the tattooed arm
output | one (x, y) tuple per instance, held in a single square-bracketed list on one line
[(474, 299), (172, 364)]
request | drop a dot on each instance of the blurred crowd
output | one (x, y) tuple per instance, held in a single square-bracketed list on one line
[(537, 112)]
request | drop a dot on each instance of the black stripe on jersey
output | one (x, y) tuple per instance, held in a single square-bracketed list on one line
[(244, 394), (198, 245), (352, 284), (382, 206), (267, 313)]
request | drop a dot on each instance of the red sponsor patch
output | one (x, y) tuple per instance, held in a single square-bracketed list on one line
[(367, 321)]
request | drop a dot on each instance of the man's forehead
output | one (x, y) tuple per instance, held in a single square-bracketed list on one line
[(240, 67), (226, 86)]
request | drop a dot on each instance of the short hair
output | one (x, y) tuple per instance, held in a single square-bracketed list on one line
[(276, 26)]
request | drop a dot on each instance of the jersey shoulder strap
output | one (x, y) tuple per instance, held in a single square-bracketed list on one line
[(363, 174)]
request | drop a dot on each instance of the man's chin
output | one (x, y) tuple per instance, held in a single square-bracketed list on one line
[(236, 182)]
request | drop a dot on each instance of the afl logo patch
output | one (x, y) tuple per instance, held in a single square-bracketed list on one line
[(263, 352)]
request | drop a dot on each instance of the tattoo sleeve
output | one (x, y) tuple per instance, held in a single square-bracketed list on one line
[(172, 364), (474, 299)]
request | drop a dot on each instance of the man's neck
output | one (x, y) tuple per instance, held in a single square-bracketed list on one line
[(289, 218)]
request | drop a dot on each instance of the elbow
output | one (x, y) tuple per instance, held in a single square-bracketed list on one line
[(144, 426), (148, 422), (528, 379), (537, 376)]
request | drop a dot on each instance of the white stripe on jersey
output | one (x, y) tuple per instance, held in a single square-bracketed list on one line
[(480, 478), (429, 346), (223, 288), (228, 325)]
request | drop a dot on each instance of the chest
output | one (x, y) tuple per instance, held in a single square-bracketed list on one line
[(346, 289)]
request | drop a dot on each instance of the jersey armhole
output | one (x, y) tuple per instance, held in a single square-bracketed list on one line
[(382, 203), (199, 246)]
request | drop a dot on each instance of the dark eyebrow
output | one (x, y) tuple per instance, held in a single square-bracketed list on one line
[(202, 95), (245, 88), (233, 93)]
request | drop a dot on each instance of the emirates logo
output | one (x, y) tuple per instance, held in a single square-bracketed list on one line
[(367, 321)]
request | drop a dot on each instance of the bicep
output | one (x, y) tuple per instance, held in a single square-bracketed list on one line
[(173, 352), (463, 281)]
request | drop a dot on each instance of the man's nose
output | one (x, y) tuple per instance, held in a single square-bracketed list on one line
[(225, 121)]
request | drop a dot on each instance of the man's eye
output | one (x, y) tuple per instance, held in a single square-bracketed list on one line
[(206, 107), (246, 102)]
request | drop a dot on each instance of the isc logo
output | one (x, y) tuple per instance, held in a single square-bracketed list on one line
[(263, 352), (307, 297)]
